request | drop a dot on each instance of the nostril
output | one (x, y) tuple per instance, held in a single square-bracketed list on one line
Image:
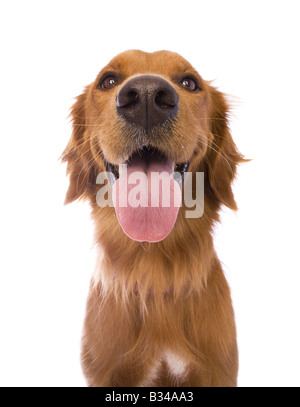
[(165, 99), (132, 97), (127, 99), (160, 99)]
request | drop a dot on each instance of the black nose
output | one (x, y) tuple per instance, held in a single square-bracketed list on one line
[(147, 101)]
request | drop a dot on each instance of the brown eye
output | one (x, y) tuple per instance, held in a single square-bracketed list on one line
[(189, 83), (109, 82)]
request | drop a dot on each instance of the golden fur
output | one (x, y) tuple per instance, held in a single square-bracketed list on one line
[(133, 316)]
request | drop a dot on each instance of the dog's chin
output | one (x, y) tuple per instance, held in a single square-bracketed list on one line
[(147, 193)]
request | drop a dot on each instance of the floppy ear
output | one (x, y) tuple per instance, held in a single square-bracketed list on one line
[(223, 155), (81, 167)]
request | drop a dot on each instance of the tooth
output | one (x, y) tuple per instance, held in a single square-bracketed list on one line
[(111, 178), (177, 177), (122, 168)]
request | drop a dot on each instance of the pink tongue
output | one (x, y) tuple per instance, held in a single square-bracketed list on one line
[(147, 200)]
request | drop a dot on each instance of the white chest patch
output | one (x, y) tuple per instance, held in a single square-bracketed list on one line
[(176, 365)]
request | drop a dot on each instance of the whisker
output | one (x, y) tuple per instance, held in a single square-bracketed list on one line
[(224, 138), (86, 141), (86, 174), (75, 147), (208, 163), (219, 154)]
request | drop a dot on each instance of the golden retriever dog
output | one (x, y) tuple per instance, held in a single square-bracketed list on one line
[(159, 310)]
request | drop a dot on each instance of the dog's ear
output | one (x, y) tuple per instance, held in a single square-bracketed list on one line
[(222, 156), (78, 155)]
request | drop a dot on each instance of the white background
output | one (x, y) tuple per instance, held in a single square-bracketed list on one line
[(49, 51)]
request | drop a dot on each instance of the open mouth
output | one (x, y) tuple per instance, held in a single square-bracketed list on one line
[(147, 157), (147, 194)]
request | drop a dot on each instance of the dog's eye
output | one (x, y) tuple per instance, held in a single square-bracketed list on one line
[(189, 83), (109, 82)]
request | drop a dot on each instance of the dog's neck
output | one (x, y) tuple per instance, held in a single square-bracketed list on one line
[(126, 267)]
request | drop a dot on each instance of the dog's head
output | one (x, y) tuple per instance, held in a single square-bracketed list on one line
[(151, 110)]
